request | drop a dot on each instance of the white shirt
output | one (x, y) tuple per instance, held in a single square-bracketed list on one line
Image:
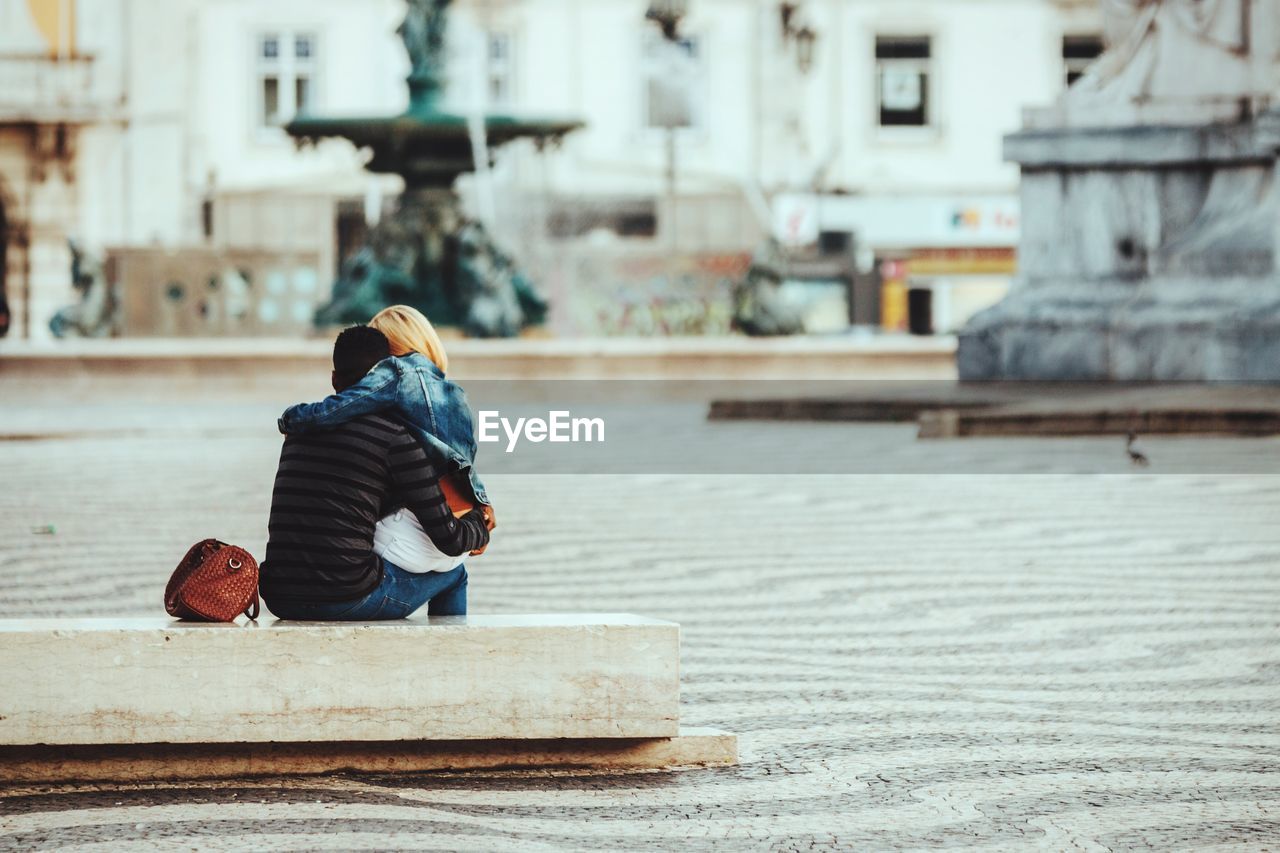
[(400, 539)]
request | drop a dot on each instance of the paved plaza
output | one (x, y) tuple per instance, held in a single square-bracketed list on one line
[(1043, 658)]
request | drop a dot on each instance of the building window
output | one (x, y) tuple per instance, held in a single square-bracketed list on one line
[(1078, 53), (673, 73), (500, 69), (902, 80), (286, 76)]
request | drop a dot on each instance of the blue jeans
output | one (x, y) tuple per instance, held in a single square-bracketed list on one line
[(398, 596)]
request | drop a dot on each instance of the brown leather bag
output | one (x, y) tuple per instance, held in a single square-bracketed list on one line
[(215, 582)]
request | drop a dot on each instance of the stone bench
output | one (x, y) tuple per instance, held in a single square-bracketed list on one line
[(125, 698)]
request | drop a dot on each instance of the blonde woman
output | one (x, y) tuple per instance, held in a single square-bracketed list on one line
[(411, 382)]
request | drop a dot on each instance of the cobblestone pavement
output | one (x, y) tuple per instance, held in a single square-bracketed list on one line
[(1050, 660)]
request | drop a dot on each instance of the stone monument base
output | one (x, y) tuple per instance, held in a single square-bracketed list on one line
[(1147, 254), (1192, 329)]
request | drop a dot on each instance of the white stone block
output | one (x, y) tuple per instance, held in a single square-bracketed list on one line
[(153, 680)]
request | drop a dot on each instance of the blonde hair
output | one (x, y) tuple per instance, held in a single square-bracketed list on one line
[(408, 330)]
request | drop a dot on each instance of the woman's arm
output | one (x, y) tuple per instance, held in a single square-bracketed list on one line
[(374, 393)]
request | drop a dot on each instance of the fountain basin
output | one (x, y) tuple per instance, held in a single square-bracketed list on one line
[(431, 149)]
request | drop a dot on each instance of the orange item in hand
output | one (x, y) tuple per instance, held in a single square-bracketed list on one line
[(458, 494)]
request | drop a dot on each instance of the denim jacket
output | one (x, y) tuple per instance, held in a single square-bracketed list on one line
[(434, 409)]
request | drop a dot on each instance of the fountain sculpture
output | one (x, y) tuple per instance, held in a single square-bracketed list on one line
[(97, 313), (426, 254)]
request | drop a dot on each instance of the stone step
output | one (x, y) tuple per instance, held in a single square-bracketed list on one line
[(158, 681), (26, 765), (280, 363), (1226, 411)]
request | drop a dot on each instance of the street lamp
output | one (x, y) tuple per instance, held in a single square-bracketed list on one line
[(786, 18), (799, 33), (806, 41), (667, 14)]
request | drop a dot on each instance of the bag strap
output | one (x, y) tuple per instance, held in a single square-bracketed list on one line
[(254, 607)]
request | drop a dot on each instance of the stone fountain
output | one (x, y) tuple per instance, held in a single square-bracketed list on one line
[(427, 254), (1150, 208)]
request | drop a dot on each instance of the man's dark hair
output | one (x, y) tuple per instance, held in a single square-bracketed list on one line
[(355, 352)]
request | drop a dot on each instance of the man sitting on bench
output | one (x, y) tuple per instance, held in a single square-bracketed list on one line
[(332, 487)]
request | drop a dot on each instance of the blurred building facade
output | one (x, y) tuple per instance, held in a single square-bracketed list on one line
[(155, 124), (883, 118)]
